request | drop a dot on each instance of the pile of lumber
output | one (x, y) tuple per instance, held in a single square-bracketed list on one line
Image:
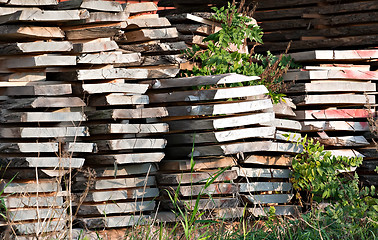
[(212, 124), (332, 92)]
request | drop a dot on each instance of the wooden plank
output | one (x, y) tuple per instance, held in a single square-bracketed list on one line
[(332, 86), (282, 160), (317, 126), (211, 94), (116, 183), (215, 109), (141, 35), (96, 45), (284, 124), (115, 88), (43, 117), (331, 114), (115, 208), (118, 99), (79, 147), (96, 5), (269, 198), (346, 153), (114, 195), (28, 200), (220, 123), (334, 99), (5, 10), (35, 47), (37, 15), (206, 204), (121, 170), (343, 141), (137, 143), (24, 77), (134, 8), (32, 3), (279, 210), (21, 33), (109, 58), (284, 108), (334, 55), (30, 187), (41, 162), (29, 147), (262, 172), (46, 60), (199, 164), (147, 23), (234, 148), (128, 113), (43, 132), (195, 177), (212, 189), (112, 221), (34, 227), (221, 136), (264, 186), (330, 75), (128, 128), (84, 32), (155, 47), (197, 29), (38, 90), (15, 215), (126, 158), (43, 102), (338, 67), (104, 17)]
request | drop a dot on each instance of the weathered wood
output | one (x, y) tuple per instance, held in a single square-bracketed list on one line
[(96, 5), (148, 35), (338, 67), (155, 47), (284, 108), (115, 88), (331, 74), (284, 124), (112, 221), (221, 136), (347, 153), (32, 3), (279, 210), (161, 60), (195, 177), (128, 128), (220, 123), (37, 15), (334, 55), (121, 170), (332, 86), (27, 200), (269, 198), (234, 148), (30, 187), (118, 99), (43, 117), (92, 31), (43, 102), (114, 208), (137, 143), (41, 162), (34, 227), (40, 61), (334, 99), (264, 186), (38, 90), (197, 29), (127, 158), (43, 132), (128, 113), (269, 160), (262, 172), (20, 33), (331, 114), (147, 23), (212, 189), (229, 108), (104, 17), (79, 147), (116, 183), (35, 47), (211, 94), (109, 58), (15, 215), (204, 204), (29, 147), (114, 195), (288, 136), (207, 163), (6, 10), (317, 126), (96, 45), (344, 141), (24, 77), (134, 8)]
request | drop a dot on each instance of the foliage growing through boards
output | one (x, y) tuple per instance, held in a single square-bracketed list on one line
[(220, 57)]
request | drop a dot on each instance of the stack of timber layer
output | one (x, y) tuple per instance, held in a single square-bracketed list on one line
[(332, 92), (41, 133), (118, 188), (224, 123)]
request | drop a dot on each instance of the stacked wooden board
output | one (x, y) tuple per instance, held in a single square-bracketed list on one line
[(332, 93), (215, 126)]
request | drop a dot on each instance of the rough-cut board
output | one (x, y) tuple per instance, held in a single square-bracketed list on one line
[(221, 136), (6, 10), (331, 114), (128, 113), (317, 126), (212, 189), (221, 79), (43, 102), (30, 187), (112, 221), (35, 47), (15, 215), (344, 141), (96, 45), (207, 163), (122, 170), (28, 200), (137, 143), (115, 208), (284, 124), (118, 99), (38, 90), (43, 132), (264, 186), (50, 225), (116, 183), (115, 88), (147, 23), (114, 195), (84, 32), (109, 58), (116, 73), (128, 128), (133, 8), (42, 162), (20, 33), (43, 117), (262, 172), (32, 2), (127, 158), (148, 35), (36, 15), (96, 5), (212, 94), (284, 108), (195, 177), (234, 148), (205, 204), (156, 47), (334, 99), (24, 78), (40, 61), (269, 198), (332, 55), (332, 86), (269, 160), (29, 147), (197, 29), (331, 74), (223, 122), (104, 17)]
